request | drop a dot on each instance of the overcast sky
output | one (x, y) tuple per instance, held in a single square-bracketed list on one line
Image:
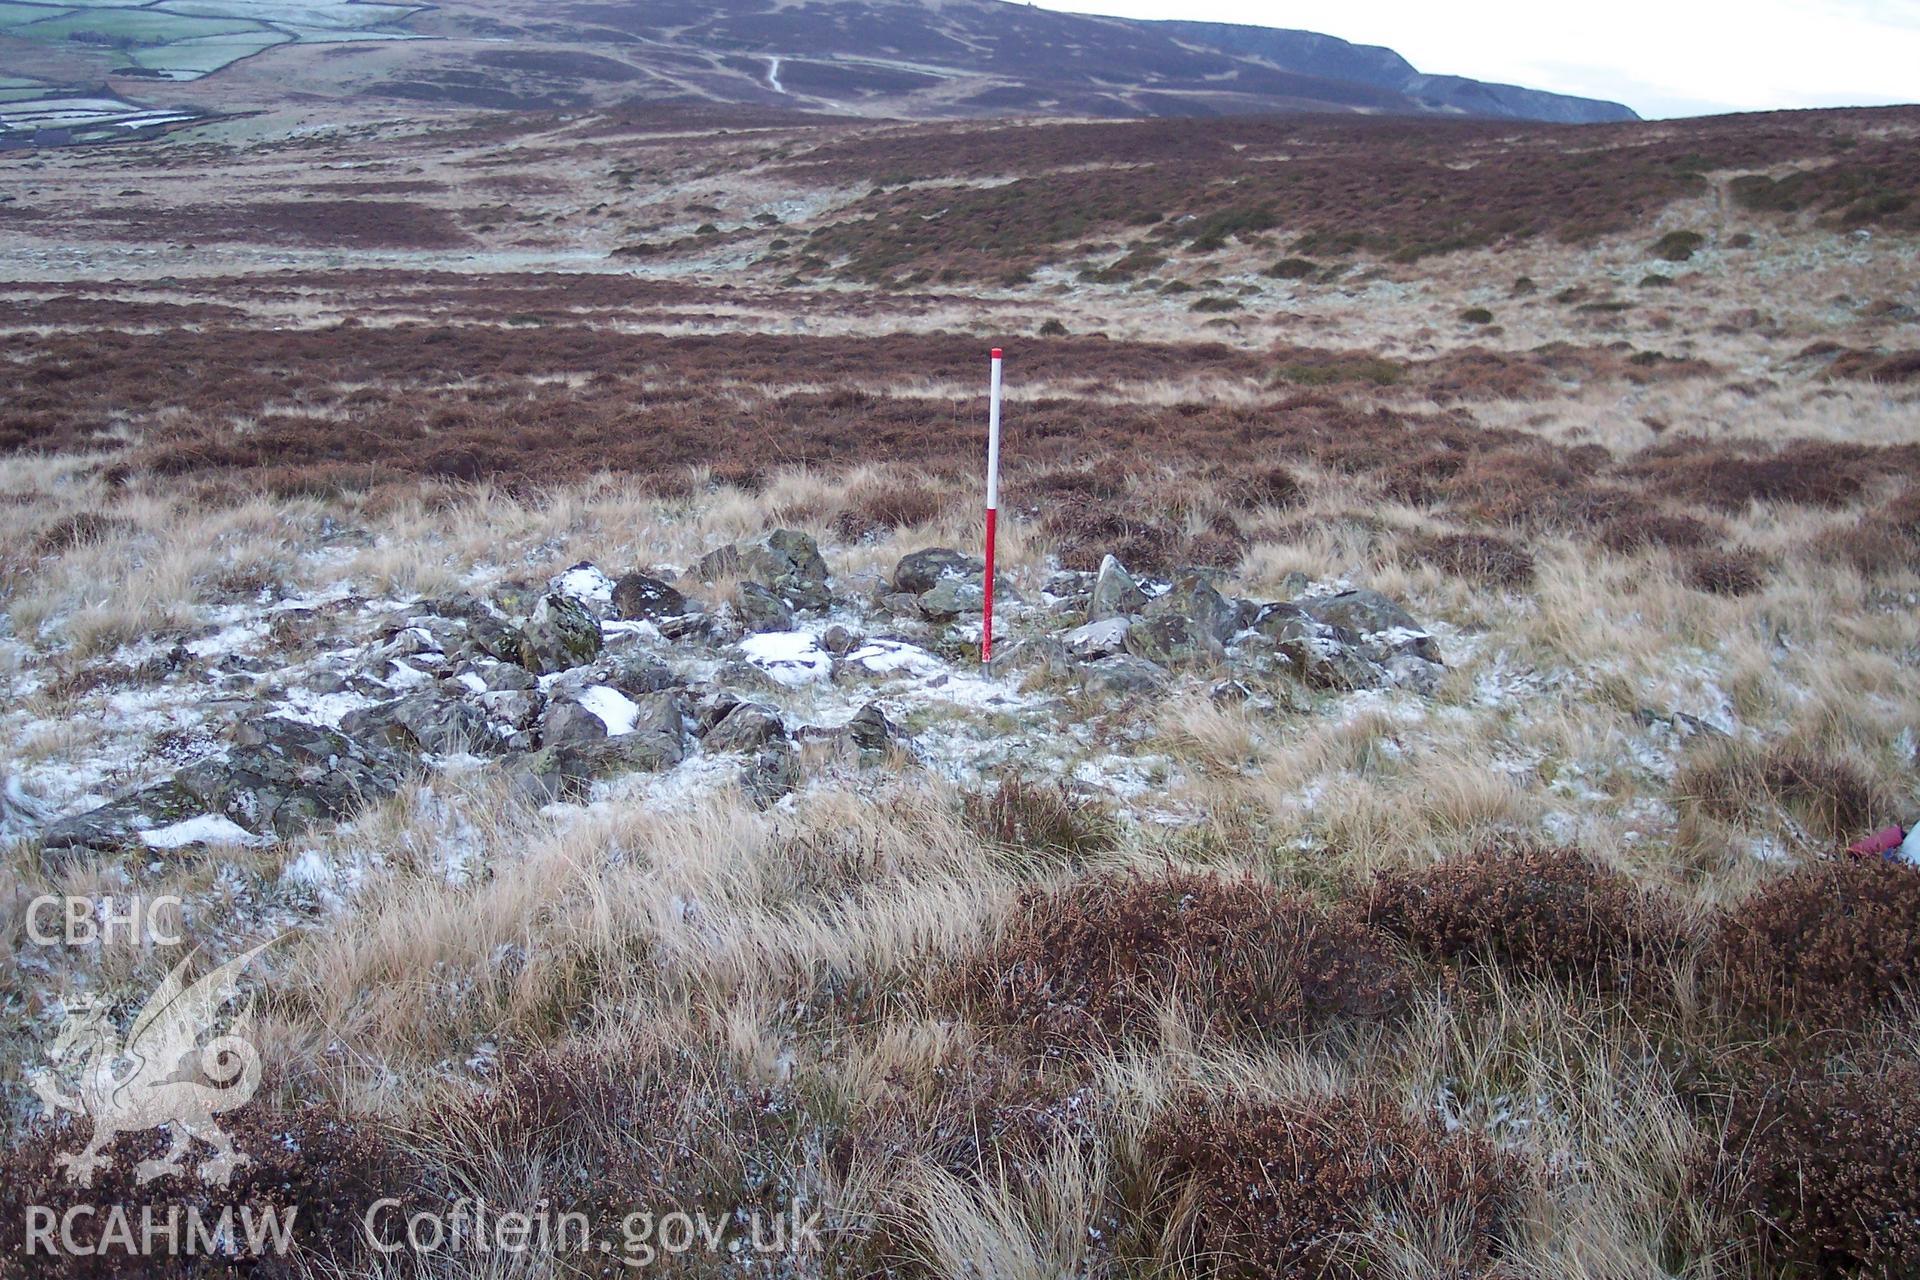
[(1660, 57)]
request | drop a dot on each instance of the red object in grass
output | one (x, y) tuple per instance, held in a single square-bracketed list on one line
[(1879, 844)]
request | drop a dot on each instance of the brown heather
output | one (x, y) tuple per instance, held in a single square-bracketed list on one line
[(1316, 1187), (1823, 949), (1533, 913), (317, 1166), (1821, 1173), (1098, 960)]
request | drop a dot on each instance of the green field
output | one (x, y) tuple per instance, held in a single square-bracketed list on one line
[(135, 26), (319, 14), (191, 59), (13, 15), (188, 39)]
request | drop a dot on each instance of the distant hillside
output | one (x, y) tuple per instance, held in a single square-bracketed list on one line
[(911, 59), (1309, 53)]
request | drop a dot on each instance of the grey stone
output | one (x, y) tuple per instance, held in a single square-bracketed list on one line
[(1098, 639), (120, 821), (431, 720), (746, 727), (1404, 671), (919, 571), (1115, 593), (1373, 616), (634, 673), (1173, 640), (872, 734), (951, 597), (518, 709), (1033, 653), (762, 610), (786, 561), (642, 596), (661, 713), (1122, 674), (841, 641), (569, 723), (282, 776), (561, 634), (771, 773)]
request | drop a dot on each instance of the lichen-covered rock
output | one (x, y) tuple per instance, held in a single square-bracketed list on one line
[(1173, 640), (568, 724), (745, 727), (432, 720), (952, 597), (560, 635), (761, 610), (1098, 639), (641, 596), (1194, 598), (282, 776), (771, 773), (1377, 619), (920, 571), (1115, 593), (872, 734), (1123, 675), (633, 672), (120, 821), (786, 561)]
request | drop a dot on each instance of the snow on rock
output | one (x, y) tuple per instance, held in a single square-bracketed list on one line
[(793, 658), (615, 710), (585, 582), (208, 828), (889, 657)]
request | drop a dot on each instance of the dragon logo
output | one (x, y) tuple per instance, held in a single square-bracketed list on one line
[(150, 1081)]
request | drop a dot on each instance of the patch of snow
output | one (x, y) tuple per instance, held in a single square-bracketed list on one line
[(405, 675), (208, 828), (310, 870), (886, 657), (615, 710), (473, 682), (793, 658), (308, 707), (584, 582)]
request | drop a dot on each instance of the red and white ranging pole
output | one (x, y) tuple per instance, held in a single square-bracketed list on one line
[(993, 504)]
